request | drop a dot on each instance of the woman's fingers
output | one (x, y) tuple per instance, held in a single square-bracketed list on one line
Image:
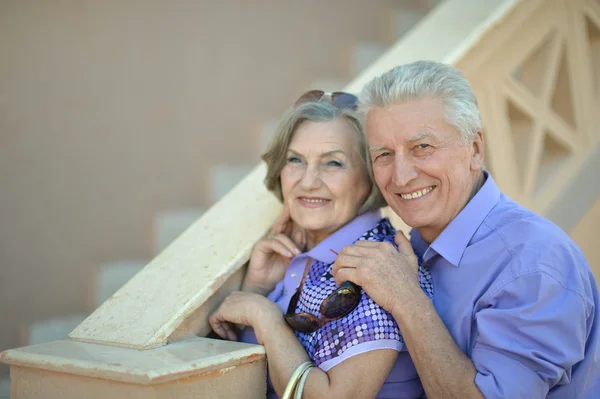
[(224, 330), (271, 245), (286, 226), (280, 244), (221, 326), (287, 243), (283, 221), (232, 311)]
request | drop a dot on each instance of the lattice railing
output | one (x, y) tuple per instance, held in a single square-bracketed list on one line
[(540, 95)]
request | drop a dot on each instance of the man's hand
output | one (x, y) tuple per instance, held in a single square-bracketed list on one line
[(387, 275)]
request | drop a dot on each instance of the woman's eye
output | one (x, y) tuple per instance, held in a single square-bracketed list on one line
[(293, 160), (334, 163)]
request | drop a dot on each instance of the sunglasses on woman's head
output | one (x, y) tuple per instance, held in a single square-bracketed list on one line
[(337, 305), (339, 99)]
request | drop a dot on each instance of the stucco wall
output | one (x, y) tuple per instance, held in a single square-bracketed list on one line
[(112, 110), (587, 235)]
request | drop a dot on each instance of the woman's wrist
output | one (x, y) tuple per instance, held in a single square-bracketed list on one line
[(249, 286), (269, 325)]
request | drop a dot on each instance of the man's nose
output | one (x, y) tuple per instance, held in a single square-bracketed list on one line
[(311, 178), (404, 171)]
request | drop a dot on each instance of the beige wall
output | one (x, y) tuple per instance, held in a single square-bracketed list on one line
[(112, 110), (587, 236)]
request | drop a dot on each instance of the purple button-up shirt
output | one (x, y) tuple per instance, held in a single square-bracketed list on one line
[(519, 299)]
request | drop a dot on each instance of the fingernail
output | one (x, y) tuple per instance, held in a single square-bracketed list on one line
[(297, 251)]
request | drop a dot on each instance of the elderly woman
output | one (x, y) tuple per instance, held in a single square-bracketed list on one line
[(319, 167)]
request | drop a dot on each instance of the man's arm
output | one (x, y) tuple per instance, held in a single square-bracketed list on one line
[(445, 371), (390, 277), (529, 331)]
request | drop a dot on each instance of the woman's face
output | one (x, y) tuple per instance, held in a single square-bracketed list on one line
[(324, 181)]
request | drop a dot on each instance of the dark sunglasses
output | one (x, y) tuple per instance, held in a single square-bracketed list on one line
[(337, 305), (340, 99)]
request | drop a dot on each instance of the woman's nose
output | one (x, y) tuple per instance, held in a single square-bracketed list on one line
[(311, 178)]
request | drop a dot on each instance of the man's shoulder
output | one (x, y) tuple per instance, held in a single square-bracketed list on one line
[(519, 225), (535, 244)]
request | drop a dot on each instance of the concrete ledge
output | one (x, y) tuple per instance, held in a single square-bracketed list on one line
[(242, 381), (176, 361)]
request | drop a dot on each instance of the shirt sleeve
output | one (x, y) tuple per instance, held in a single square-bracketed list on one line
[(368, 327), (531, 333)]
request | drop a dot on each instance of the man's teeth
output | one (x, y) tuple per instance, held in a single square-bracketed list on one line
[(416, 194), (314, 200)]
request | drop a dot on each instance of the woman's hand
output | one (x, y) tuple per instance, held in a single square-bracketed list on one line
[(272, 255), (248, 309)]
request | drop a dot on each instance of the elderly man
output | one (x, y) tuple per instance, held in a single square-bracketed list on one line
[(515, 311)]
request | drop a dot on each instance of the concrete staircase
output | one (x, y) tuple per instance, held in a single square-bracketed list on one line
[(169, 224)]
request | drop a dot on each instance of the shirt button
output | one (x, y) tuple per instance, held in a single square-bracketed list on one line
[(293, 274)]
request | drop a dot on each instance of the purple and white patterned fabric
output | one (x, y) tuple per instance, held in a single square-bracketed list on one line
[(368, 322), (325, 346)]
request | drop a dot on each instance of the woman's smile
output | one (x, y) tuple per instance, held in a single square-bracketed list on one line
[(313, 202)]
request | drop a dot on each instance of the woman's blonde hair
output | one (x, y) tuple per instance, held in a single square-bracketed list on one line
[(318, 111)]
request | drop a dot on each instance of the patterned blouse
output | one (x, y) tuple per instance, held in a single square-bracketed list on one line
[(366, 328)]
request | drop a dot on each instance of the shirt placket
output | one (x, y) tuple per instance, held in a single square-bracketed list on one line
[(293, 276)]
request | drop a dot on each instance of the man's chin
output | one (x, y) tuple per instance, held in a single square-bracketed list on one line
[(412, 220)]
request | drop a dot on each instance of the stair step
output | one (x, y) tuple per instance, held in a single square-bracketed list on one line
[(170, 224), (113, 275), (5, 387), (50, 329), (223, 177), (405, 20), (365, 53)]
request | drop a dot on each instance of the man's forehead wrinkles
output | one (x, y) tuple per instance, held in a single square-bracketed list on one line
[(420, 136), (376, 147)]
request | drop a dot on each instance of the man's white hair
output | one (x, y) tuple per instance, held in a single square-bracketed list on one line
[(427, 79)]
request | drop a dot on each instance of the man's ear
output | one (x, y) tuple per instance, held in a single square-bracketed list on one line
[(478, 151)]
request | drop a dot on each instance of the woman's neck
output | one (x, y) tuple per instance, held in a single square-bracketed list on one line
[(313, 238)]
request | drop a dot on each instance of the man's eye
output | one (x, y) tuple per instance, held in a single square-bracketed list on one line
[(423, 145), (382, 155), (334, 163)]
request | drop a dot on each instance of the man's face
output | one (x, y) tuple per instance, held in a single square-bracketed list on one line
[(426, 174)]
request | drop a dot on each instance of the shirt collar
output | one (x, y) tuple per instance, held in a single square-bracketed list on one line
[(453, 240), (346, 235)]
